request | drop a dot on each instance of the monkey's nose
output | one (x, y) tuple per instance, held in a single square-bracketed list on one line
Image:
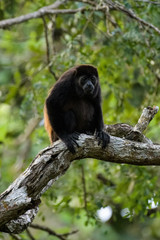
[(89, 86), (89, 90)]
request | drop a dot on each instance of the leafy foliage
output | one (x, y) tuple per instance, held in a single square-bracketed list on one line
[(127, 56)]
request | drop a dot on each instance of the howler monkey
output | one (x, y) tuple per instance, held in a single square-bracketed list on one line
[(73, 106)]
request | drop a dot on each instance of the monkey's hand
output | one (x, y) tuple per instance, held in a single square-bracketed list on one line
[(103, 138), (71, 141)]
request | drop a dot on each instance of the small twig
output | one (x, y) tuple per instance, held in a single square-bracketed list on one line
[(98, 29), (70, 233), (16, 237), (29, 234), (32, 124), (84, 189), (48, 230), (48, 48), (105, 181), (53, 233), (146, 1), (107, 21), (87, 22), (90, 2), (74, 11)]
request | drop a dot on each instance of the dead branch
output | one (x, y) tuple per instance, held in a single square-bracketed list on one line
[(145, 118), (53, 233)]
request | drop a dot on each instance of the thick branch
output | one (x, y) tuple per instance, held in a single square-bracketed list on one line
[(19, 203), (52, 162)]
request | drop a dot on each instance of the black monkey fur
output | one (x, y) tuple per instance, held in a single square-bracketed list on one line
[(73, 106)]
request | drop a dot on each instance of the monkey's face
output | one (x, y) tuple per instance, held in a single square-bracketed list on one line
[(88, 83)]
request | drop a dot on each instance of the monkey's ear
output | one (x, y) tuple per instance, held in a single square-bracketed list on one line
[(68, 75)]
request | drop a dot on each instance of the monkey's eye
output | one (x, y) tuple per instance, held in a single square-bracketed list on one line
[(83, 80), (93, 79)]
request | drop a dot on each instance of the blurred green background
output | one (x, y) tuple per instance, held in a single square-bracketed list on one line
[(127, 56)]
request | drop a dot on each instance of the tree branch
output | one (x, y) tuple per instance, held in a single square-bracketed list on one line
[(52, 9), (119, 7), (19, 203), (48, 49), (53, 233), (29, 234), (90, 2), (145, 118), (16, 237), (84, 189), (45, 11), (38, 14), (146, 1)]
